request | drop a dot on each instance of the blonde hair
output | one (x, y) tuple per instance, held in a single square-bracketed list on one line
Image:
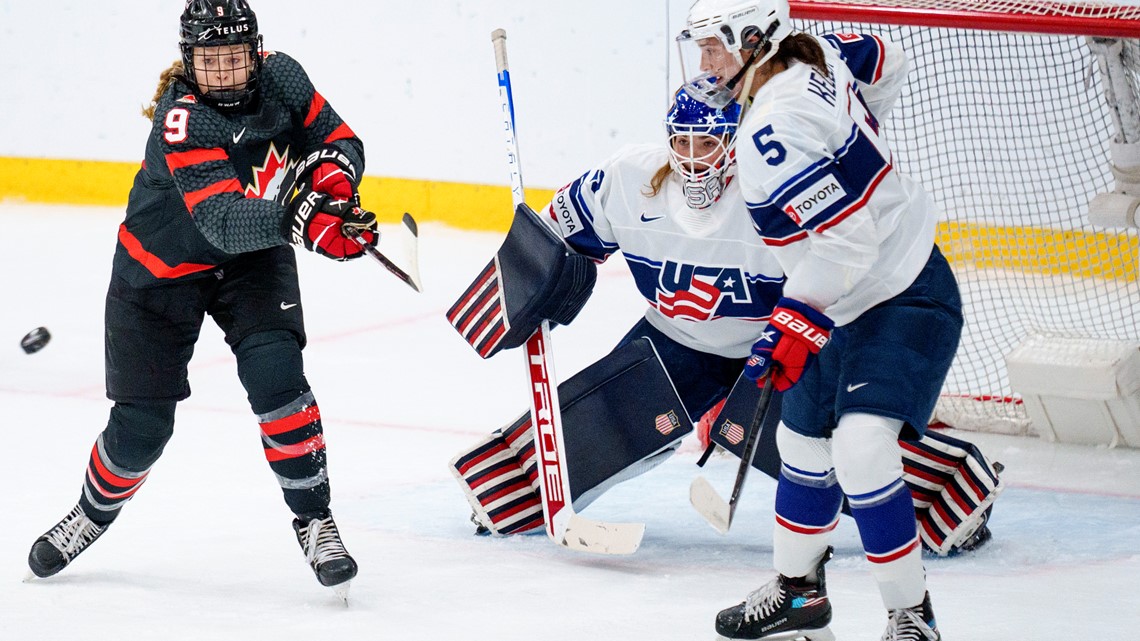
[(175, 71), (658, 181)]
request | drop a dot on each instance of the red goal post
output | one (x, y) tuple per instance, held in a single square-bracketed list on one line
[(1077, 18)]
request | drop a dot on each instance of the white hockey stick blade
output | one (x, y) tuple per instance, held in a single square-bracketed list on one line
[(397, 250), (597, 537), (705, 499)]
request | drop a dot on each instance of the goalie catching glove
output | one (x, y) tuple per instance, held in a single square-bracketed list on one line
[(318, 222)]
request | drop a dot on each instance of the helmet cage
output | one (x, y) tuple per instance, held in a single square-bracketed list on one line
[(217, 23), (750, 25), (703, 176)]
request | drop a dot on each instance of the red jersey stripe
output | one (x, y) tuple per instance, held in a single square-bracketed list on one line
[(194, 157), (221, 187), (315, 107), (340, 133), (152, 263)]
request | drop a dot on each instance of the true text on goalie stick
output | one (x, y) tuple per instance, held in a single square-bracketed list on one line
[(564, 526)]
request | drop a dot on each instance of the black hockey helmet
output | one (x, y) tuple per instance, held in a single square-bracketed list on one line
[(212, 23)]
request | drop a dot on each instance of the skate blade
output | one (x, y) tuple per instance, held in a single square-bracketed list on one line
[(30, 576), (822, 634), (341, 591)]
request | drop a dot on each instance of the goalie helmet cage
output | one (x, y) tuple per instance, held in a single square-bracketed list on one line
[(1006, 121)]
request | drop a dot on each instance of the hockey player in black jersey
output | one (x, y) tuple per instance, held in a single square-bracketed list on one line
[(207, 231)]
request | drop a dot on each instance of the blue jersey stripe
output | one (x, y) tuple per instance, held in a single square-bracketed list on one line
[(586, 241), (857, 169), (863, 54)]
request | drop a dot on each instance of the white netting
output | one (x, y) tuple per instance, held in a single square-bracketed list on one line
[(998, 8), (1011, 133)]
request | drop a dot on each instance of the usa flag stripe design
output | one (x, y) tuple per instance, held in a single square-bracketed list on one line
[(478, 314)]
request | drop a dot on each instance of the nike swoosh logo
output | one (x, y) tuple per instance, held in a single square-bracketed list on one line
[(852, 388), (285, 305), (238, 135), (644, 219)]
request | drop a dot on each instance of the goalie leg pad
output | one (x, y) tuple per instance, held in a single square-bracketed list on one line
[(952, 483), (533, 277), (621, 417), (954, 487), (503, 496)]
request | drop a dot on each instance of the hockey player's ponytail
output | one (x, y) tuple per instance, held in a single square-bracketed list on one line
[(803, 47), (658, 181), (172, 73)]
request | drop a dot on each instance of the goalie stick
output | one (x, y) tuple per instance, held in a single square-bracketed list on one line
[(563, 525), (704, 498), (406, 247)]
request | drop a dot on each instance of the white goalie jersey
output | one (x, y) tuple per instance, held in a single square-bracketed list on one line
[(708, 278), (820, 183)]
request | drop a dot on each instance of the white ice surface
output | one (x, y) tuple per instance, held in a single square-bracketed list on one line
[(206, 551)]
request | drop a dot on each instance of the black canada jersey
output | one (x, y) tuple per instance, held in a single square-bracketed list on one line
[(207, 185)]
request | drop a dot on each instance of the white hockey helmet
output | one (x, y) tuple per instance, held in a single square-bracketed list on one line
[(739, 25)]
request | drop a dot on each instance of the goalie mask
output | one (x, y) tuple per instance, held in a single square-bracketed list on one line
[(221, 51), (701, 147), (722, 38)]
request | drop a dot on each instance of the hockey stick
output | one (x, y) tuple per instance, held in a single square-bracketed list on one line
[(701, 493), (563, 525), (407, 248)]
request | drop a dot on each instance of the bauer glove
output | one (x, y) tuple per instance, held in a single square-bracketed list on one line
[(318, 222), (794, 335), (330, 178)]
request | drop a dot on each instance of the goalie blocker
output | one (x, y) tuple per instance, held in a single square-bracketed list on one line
[(952, 483), (621, 417), (533, 277)]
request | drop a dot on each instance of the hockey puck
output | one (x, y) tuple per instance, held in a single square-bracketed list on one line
[(35, 340)]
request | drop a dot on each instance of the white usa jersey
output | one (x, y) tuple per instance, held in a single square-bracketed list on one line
[(820, 184), (709, 280)]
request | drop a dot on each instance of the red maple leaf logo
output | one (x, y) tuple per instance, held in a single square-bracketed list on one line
[(267, 178)]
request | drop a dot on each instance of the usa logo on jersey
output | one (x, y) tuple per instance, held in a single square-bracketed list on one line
[(695, 292)]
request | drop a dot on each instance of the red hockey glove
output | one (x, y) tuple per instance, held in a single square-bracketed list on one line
[(330, 178), (316, 222), (794, 335)]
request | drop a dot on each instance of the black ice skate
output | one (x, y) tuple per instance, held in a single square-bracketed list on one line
[(320, 540), (912, 624), (61, 544), (785, 608)]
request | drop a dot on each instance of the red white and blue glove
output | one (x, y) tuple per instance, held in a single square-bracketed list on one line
[(318, 222), (794, 335)]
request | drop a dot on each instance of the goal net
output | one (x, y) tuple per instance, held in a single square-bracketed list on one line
[(1006, 120)]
